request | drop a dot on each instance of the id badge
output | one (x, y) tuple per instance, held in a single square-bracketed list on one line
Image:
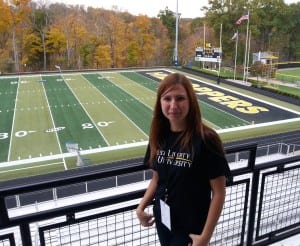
[(165, 214)]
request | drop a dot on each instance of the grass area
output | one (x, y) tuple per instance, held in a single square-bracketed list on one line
[(218, 118), (289, 75), (283, 89)]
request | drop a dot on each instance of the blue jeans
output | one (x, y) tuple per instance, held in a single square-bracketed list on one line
[(168, 238)]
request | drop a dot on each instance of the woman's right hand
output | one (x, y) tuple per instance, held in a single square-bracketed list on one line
[(145, 218)]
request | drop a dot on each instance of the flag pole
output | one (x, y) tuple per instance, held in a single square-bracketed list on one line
[(246, 47), (249, 40), (236, 49), (176, 38), (221, 27), (203, 43)]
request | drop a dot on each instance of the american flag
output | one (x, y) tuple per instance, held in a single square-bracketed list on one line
[(243, 17)]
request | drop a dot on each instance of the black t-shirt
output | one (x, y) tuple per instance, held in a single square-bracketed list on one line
[(186, 178)]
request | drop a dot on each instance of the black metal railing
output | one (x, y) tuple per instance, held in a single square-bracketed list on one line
[(262, 205)]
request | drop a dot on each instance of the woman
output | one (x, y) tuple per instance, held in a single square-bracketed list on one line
[(189, 167)]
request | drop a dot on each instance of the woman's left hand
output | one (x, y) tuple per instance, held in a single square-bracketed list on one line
[(198, 240)]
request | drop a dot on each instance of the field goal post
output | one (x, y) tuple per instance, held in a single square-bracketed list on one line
[(74, 147)]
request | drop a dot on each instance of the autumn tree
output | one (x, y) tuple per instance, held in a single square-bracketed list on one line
[(106, 45), (5, 20), (114, 35), (17, 16), (97, 50), (162, 43), (77, 38), (142, 41), (103, 56), (56, 38), (56, 46)]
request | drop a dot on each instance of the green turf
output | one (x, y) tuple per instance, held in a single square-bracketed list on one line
[(121, 128), (95, 110), (129, 105), (138, 78), (139, 91), (218, 118), (68, 112), (8, 91), (32, 120)]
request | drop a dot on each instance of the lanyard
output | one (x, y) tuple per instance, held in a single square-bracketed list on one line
[(173, 145), (169, 167)]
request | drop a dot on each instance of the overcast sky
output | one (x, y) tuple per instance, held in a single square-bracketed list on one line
[(187, 8)]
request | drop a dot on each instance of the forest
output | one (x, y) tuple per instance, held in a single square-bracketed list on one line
[(39, 36)]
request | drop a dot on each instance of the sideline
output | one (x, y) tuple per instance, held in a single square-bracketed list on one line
[(65, 155), (239, 128)]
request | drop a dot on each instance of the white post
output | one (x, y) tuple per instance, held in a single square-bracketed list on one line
[(246, 47), (236, 49), (248, 54), (176, 39), (221, 27), (203, 44)]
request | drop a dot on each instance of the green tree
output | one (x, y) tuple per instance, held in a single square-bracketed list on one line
[(168, 18), (272, 25), (270, 20), (294, 34), (226, 13)]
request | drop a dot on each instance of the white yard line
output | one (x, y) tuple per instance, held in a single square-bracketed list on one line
[(241, 128), (56, 134), (141, 86), (81, 104), (13, 122), (122, 113)]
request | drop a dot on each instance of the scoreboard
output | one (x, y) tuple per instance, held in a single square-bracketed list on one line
[(208, 54)]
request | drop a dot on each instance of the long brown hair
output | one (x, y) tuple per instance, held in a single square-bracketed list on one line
[(195, 126)]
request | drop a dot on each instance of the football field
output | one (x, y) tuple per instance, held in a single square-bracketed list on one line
[(107, 114)]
